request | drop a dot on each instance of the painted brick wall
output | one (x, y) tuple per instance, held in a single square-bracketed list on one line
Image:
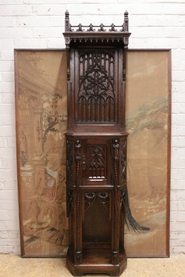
[(39, 24)]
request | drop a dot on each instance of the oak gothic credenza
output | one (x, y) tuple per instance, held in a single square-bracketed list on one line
[(96, 144)]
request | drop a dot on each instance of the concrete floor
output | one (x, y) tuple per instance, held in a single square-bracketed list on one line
[(15, 266)]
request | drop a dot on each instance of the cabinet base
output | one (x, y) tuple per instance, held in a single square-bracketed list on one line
[(97, 263)]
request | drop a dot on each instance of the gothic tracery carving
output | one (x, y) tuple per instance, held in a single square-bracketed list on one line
[(97, 161), (96, 100), (96, 95), (102, 196)]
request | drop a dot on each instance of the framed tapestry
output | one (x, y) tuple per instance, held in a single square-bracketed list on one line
[(148, 112), (41, 117), (41, 121)]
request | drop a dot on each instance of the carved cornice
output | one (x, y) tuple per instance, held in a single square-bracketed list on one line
[(96, 33)]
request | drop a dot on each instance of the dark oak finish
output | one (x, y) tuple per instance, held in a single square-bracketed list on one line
[(96, 144)]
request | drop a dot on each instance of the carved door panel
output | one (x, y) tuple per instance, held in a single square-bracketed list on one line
[(96, 86), (103, 161), (96, 159)]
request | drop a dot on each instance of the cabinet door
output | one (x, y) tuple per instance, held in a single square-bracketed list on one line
[(96, 162)]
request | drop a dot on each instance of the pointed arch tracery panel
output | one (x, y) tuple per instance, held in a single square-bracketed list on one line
[(96, 92)]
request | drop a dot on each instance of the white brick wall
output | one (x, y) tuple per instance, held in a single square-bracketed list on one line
[(39, 24)]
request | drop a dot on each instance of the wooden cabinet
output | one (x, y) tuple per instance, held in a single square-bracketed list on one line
[(96, 147)]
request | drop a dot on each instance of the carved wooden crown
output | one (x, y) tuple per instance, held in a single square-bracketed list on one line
[(96, 34)]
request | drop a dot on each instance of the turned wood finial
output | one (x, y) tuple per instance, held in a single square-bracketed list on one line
[(125, 21), (67, 22)]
